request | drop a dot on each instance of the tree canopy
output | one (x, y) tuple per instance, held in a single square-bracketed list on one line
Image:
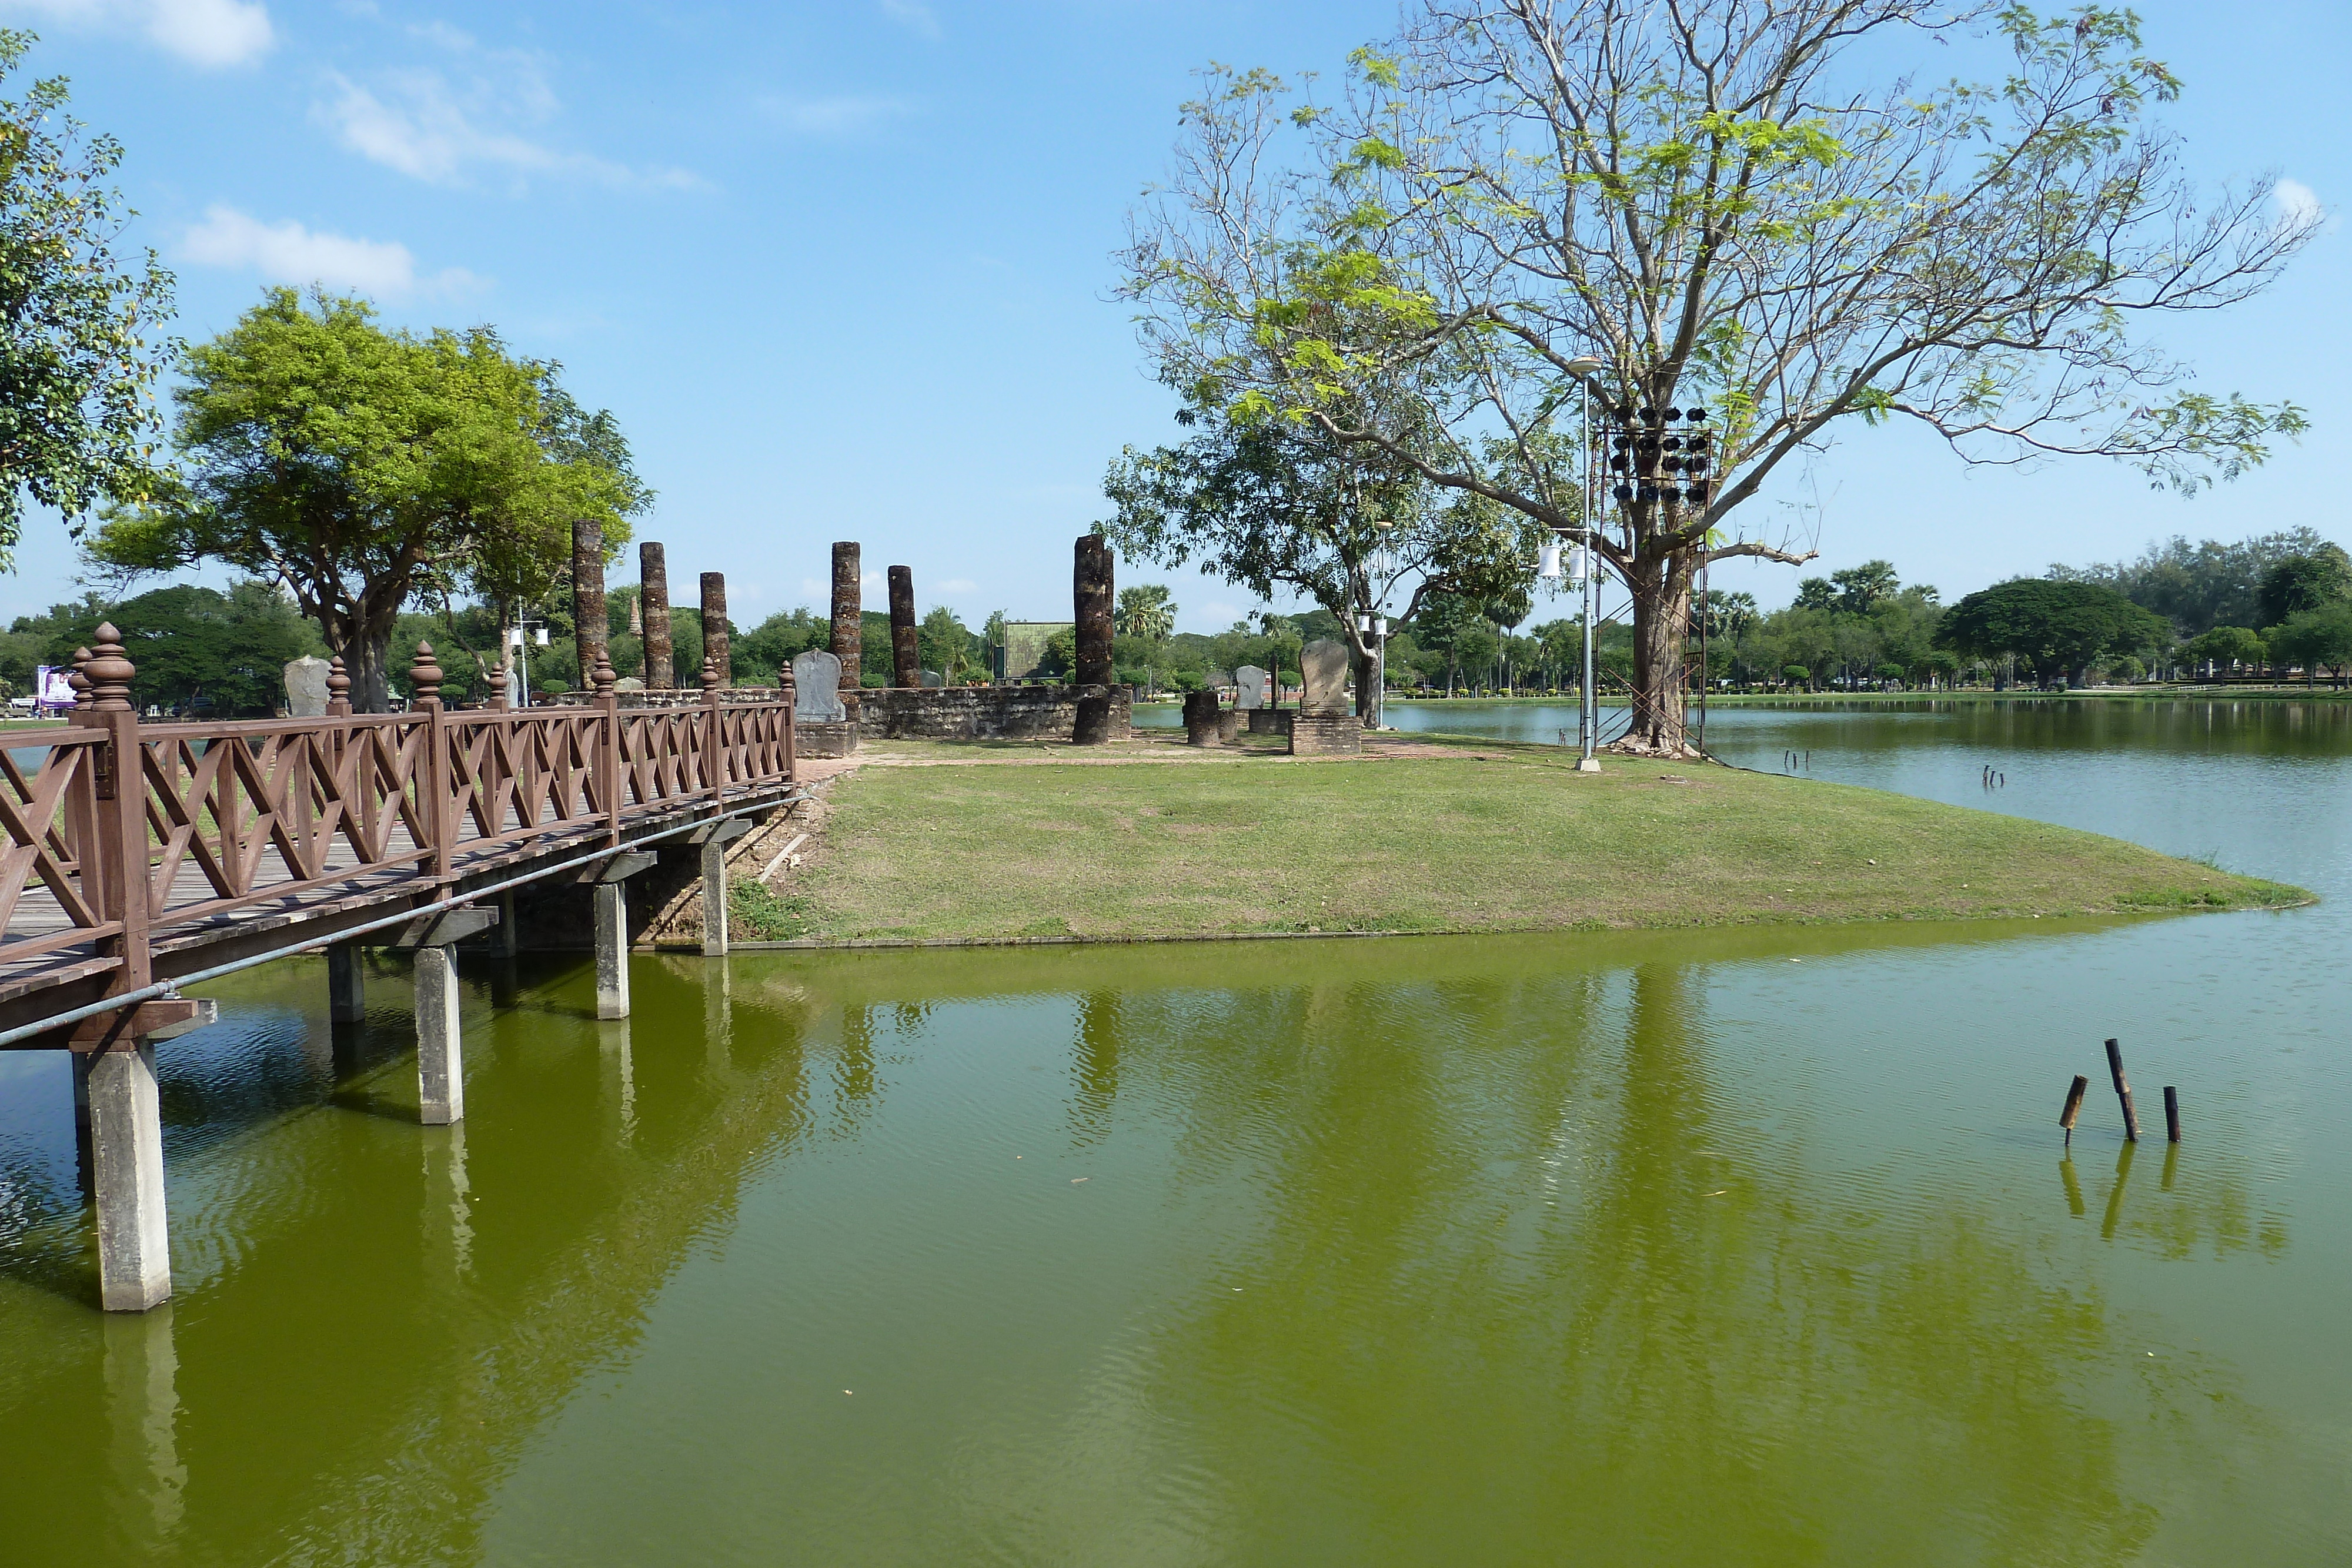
[(78, 344), (2310, 581), (1700, 198), (366, 469), (2058, 629), (2199, 586)]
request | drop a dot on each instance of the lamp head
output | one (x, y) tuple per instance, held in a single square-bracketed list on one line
[(1584, 366)]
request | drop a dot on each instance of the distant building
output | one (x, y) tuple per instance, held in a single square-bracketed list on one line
[(1024, 648)]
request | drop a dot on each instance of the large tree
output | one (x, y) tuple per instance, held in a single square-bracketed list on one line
[(2057, 628), (78, 325), (366, 469), (1269, 505), (1693, 193)]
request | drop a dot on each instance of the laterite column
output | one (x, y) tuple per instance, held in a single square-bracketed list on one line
[(905, 649), (591, 632), (653, 595), (848, 625), (1091, 594), (714, 626)]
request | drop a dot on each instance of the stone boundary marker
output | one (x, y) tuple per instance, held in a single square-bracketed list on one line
[(1323, 726)]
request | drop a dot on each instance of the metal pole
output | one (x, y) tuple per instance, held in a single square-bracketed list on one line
[(1589, 707)]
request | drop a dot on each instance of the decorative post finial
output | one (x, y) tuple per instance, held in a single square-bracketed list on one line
[(80, 679), (602, 677), (339, 686), (424, 676), (709, 675), (109, 671), (496, 682)]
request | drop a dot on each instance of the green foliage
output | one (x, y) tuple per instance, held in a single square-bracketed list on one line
[(1146, 611), (2317, 638), (769, 647), (366, 470), (947, 644), (2056, 628), (1277, 506), (1715, 204), (195, 649), (2201, 586), (77, 355), (2306, 581), (2226, 647)]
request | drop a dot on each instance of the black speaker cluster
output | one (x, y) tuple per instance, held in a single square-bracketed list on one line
[(1660, 454)]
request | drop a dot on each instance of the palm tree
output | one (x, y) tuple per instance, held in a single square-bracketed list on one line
[(1145, 610)]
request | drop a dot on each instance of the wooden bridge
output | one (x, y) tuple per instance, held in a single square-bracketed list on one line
[(139, 857)]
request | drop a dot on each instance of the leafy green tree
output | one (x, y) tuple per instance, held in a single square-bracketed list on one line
[(78, 352), (2201, 586), (1705, 199), (365, 470), (2317, 639), (1268, 506), (769, 647), (2307, 582), (1860, 588), (2057, 628), (1147, 614), (946, 643), (2226, 647)]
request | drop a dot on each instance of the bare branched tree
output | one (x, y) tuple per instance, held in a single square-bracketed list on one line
[(1682, 190)]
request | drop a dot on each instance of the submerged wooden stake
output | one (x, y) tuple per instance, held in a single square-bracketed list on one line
[(2074, 1093), (2123, 1091), (2171, 1114)]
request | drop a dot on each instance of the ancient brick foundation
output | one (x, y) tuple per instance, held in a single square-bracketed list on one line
[(1046, 711), (823, 740), (1318, 735)]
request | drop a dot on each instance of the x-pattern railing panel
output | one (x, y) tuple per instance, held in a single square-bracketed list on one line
[(242, 815)]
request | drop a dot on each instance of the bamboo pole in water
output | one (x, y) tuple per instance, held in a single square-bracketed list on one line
[(2074, 1093), (2123, 1091), (2171, 1114)]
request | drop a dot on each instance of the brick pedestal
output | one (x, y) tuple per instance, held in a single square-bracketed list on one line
[(1319, 735)]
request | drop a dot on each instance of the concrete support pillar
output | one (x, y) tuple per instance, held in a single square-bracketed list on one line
[(715, 650), (905, 644), (440, 1064), (653, 594), (848, 642), (714, 900), (126, 1134), (591, 629), (613, 948), (346, 984), (506, 936)]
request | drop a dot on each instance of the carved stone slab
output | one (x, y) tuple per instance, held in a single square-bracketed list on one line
[(1325, 661), (1255, 685), (306, 688), (816, 688)]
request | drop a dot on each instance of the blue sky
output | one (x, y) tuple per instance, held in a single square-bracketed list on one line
[(843, 270)]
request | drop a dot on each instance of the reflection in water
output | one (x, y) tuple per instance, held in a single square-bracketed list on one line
[(1095, 1068), (143, 1407)]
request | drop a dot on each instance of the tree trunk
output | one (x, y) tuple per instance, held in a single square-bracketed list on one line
[(1661, 599), (366, 659)]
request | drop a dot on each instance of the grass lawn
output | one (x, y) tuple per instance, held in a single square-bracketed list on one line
[(1443, 835)]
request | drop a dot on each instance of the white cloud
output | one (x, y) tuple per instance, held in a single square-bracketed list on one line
[(2296, 201), (422, 124), (202, 32), (913, 15), (286, 252), (840, 114)]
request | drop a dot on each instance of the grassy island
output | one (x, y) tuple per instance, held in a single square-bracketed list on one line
[(1425, 834)]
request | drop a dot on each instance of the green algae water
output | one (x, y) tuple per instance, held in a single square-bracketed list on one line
[(1744, 1247)]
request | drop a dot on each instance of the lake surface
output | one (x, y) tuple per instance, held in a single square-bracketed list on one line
[(1753, 1247)]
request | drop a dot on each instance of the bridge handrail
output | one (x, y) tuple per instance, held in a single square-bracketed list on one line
[(228, 814)]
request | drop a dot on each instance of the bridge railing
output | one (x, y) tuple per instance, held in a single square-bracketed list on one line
[(235, 814)]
